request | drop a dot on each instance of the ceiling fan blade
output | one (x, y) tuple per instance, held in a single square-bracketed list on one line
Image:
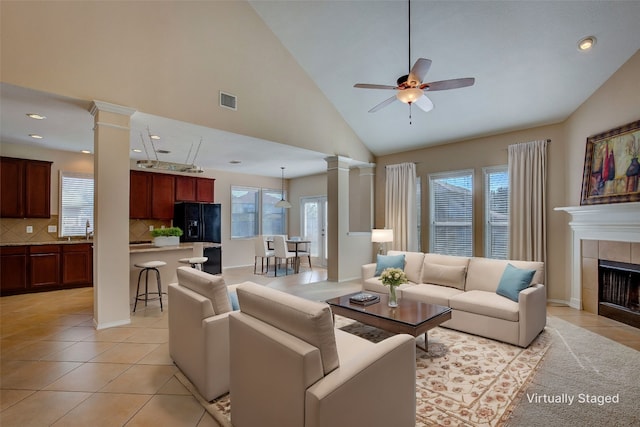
[(383, 104), (448, 84), (419, 70), (424, 103), (370, 86)]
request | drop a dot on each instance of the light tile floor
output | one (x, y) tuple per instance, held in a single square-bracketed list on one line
[(56, 369)]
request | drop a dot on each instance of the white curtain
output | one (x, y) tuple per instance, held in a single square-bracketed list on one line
[(527, 201), (401, 212)]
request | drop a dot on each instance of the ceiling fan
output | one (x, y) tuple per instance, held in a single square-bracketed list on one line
[(411, 88)]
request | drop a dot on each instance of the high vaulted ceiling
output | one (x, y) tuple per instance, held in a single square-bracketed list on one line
[(523, 55)]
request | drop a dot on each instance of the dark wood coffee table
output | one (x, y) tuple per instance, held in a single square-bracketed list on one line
[(409, 317)]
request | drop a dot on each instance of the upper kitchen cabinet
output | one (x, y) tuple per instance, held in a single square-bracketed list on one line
[(192, 189), (162, 196), (25, 186), (151, 195), (139, 195)]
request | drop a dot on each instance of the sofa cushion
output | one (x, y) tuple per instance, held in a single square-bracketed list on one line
[(431, 294), (413, 264), (484, 274), (310, 321), (445, 275), (207, 285), (514, 280), (389, 261), (486, 304)]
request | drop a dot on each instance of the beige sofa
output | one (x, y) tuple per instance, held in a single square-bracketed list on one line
[(199, 329), (468, 285), (290, 367)]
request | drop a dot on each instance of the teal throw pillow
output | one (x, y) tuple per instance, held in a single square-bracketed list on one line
[(233, 299), (514, 280), (389, 261)]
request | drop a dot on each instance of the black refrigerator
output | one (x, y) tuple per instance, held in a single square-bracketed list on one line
[(199, 222)]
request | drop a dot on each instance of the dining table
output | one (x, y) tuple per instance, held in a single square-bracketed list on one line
[(296, 243)]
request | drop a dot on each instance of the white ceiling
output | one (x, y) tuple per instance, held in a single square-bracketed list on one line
[(523, 55)]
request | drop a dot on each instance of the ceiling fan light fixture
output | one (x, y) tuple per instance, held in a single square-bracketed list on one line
[(410, 95)]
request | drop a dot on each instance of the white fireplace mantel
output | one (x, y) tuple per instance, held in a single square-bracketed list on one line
[(616, 222)]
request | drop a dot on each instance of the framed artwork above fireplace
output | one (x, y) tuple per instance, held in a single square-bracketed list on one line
[(611, 166)]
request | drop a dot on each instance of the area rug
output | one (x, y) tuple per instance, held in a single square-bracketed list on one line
[(463, 380)]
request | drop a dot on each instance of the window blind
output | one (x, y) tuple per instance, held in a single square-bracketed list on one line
[(496, 196), (76, 203), (253, 212), (451, 213)]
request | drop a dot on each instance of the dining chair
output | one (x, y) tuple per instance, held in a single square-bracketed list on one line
[(306, 252), (262, 252), (282, 253)]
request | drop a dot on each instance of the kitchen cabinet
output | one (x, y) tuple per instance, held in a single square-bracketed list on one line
[(193, 189), (162, 196), (37, 268), (44, 266), (139, 195), (13, 269), (151, 195), (77, 264), (25, 186)]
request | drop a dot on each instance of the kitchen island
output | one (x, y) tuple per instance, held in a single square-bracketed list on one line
[(144, 252)]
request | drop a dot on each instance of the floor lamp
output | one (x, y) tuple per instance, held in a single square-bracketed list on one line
[(381, 236)]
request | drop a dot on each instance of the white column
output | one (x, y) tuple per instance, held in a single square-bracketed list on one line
[(111, 211), (338, 212), (367, 190)]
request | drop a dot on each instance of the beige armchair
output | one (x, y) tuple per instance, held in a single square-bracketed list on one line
[(199, 329), (291, 368)]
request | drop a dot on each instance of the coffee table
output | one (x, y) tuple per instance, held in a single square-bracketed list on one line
[(409, 317)]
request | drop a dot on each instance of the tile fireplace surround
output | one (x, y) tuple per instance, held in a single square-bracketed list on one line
[(611, 232)]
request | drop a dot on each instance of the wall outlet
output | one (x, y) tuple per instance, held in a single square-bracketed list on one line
[(29, 229), (162, 226), (151, 228), (52, 228)]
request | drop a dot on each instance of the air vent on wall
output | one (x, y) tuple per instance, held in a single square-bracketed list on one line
[(228, 101)]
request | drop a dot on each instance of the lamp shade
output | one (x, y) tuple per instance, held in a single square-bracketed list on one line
[(381, 235)]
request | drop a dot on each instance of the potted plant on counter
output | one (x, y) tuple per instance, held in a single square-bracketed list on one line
[(169, 236)]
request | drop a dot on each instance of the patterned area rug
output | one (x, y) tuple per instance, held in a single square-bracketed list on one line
[(464, 380)]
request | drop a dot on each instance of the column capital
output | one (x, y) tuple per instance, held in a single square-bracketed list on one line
[(97, 106)]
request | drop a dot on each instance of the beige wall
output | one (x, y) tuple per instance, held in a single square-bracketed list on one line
[(615, 103), (171, 59)]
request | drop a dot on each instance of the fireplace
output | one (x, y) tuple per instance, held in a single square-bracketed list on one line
[(618, 296), (600, 232)]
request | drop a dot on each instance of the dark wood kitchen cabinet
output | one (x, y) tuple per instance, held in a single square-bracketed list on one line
[(13, 269), (38, 268), (25, 186), (139, 195), (77, 264), (162, 196), (44, 266), (193, 189), (151, 195)]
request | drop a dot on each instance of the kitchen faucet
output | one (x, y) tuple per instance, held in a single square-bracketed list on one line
[(87, 234)]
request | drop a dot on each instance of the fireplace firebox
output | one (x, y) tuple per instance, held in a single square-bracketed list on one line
[(618, 291)]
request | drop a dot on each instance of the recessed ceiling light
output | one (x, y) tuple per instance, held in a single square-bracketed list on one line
[(137, 150), (36, 116), (35, 136), (85, 151), (234, 162), (585, 44), (163, 151), (156, 137)]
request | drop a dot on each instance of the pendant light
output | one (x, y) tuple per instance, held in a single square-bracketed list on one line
[(283, 203)]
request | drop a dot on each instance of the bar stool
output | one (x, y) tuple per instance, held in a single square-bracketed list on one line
[(195, 262), (146, 267)]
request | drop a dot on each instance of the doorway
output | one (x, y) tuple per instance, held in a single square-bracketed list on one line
[(313, 221)]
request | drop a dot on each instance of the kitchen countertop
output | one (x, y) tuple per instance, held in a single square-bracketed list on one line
[(148, 247), (53, 242)]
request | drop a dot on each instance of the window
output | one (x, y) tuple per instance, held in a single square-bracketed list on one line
[(253, 212), (272, 217), (451, 213), (76, 203), (496, 197)]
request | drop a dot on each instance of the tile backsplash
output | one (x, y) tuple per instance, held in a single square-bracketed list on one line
[(14, 230)]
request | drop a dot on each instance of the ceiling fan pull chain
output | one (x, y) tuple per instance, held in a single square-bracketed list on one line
[(410, 113)]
